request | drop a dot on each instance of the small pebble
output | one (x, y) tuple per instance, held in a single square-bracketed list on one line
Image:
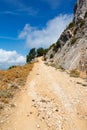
[(31, 112), (2, 121), (38, 126), (43, 118)]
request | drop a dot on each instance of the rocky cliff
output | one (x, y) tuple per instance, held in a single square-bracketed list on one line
[(70, 51), (79, 10)]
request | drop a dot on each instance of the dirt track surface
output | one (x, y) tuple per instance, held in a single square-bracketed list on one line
[(51, 100)]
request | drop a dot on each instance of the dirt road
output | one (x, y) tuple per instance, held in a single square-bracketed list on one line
[(51, 100)]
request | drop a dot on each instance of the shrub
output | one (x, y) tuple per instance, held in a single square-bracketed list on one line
[(82, 23), (72, 24), (51, 56), (57, 46), (11, 67), (86, 15), (12, 105), (73, 41), (61, 68), (40, 51), (5, 100), (52, 46), (31, 55), (6, 94), (75, 31), (45, 51), (74, 73)]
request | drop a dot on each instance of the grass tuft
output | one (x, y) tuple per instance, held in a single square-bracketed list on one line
[(74, 73)]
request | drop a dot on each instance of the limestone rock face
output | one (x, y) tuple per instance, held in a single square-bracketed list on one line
[(80, 10), (70, 51)]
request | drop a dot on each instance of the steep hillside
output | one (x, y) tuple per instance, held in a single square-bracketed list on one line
[(70, 51)]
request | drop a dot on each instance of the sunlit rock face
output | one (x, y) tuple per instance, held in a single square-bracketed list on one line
[(80, 10), (70, 50)]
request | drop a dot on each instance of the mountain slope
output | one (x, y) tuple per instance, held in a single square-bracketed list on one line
[(70, 51)]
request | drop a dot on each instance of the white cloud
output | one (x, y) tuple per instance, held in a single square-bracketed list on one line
[(49, 34), (9, 38), (21, 11), (9, 58), (21, 8), (53, 3)]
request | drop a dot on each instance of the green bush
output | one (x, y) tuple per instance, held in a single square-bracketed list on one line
[(40, 51), (11, 67), (31, 55), (52, 46), (74, 73), (57, 46), (82, 23), (71, 25), (61, 68), (73, 41), (45, 51), (86, 15), (51, 56), (75, 31)]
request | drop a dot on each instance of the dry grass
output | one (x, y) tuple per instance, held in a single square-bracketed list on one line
[(75, 73), (10, 82)]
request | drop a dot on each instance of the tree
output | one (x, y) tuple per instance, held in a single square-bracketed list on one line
[(40, 52), (31, 55)]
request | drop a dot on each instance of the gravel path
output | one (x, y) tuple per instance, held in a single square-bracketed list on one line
[(51, 100)]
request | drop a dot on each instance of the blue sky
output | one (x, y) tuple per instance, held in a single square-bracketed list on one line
[(32, 23)]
